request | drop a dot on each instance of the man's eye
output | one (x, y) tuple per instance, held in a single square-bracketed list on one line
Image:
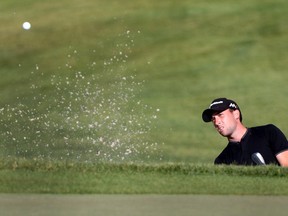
[(220, 114)]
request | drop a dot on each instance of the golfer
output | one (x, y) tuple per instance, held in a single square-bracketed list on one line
[(244, 143)]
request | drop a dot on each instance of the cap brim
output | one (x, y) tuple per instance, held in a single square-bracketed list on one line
[(207, 115)]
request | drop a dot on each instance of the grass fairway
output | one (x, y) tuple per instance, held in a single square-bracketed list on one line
[(105, 97), (137, 74)]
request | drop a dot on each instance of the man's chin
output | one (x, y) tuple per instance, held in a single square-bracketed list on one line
[(222, 134)]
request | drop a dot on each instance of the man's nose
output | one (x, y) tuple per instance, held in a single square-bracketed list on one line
[(215, 120)]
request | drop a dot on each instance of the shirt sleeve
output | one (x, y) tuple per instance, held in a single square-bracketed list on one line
[(278, 141)]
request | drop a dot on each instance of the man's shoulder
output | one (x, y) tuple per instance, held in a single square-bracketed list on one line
[(263, 127)]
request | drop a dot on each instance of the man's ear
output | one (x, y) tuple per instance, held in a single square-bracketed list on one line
[(236, 114)]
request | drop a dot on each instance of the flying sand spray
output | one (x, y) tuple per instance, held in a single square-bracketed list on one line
[(95, 115)]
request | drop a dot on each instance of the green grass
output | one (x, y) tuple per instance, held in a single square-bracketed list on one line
[(126, 82), (26, 176)]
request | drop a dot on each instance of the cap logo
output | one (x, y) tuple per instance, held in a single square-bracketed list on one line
[(214, 103), (232, 105)]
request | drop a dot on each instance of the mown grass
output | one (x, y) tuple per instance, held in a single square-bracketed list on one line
[(26, 176), (187, 52)]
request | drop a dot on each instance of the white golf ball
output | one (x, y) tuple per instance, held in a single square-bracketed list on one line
[(26, 25)]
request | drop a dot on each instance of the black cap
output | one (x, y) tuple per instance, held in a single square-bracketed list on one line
[(219, 105)]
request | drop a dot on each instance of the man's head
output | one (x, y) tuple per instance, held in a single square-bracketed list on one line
[(219, 105)]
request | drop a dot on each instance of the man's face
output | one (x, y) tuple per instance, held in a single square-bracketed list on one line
[(225, 122)]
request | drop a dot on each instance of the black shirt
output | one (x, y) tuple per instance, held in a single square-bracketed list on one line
[(268, 140)]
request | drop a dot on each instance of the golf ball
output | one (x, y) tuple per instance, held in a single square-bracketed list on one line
[(26, 25)]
